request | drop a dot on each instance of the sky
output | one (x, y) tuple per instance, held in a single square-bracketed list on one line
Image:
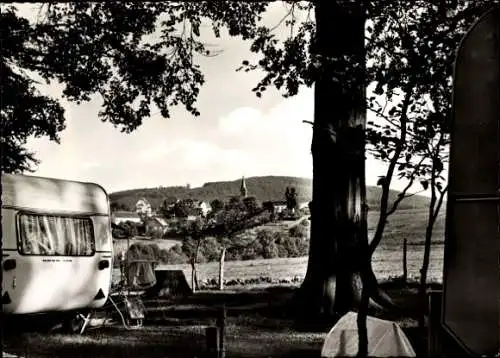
[(237, 133)]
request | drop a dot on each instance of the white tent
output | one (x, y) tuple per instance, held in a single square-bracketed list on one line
[(385, 339), (8, 355)]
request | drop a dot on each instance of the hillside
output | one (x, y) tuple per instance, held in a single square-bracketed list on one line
[(263, 188)]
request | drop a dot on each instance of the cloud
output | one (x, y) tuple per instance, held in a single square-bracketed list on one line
[(277, 140), (239, 121), (237, 134)]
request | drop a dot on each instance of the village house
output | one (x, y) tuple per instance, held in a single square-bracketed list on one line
[(278, 206), (119, 217), (204, 207), (156, 225)]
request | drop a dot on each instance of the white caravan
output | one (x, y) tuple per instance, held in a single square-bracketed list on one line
[(56, 245)]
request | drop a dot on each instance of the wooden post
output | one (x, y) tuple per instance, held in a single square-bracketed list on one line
[(405, 263), (434, 345), (212, 334), (221, 269), (221, 324), (193, 276)]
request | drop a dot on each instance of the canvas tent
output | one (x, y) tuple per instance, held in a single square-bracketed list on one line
[(140, 263), (4, 354), (385, 339)]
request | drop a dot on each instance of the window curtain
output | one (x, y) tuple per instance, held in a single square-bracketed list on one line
[(56, 235)]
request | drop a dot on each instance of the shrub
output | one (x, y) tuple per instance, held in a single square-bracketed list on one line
[(299, 230), (171, 257), (211, 249)]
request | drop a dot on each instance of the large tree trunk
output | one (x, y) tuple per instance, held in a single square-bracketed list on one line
[(333, 284)]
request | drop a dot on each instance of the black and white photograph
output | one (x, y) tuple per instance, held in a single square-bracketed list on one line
[(250, 179)]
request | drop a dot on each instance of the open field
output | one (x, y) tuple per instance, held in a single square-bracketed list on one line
[(387, 263)]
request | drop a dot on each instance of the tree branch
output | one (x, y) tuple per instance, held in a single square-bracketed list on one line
[(390, 170), (440, 202), (402, 195), (282, 19)]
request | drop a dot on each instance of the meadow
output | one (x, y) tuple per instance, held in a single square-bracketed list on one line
[(387, 264), (387, 261)]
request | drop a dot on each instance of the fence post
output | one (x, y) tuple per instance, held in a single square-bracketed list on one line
[(221, 269), (193, 276), (434, 335), (221, 324), (405, 262), (212, 334)]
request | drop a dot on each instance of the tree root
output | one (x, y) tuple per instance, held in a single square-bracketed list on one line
[(340, 296)]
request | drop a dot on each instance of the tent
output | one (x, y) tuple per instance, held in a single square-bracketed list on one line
[(170, 283), (4, 354), (141, 260), (385, 339)]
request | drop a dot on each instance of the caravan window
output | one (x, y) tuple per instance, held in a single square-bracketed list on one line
[(55, 235)]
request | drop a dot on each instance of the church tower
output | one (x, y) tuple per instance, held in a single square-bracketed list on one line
[(243, 188)]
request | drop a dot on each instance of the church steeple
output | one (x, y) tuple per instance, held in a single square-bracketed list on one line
[(243, 188)]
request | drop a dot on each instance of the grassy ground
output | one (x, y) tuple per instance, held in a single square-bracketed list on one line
[(387, 263), (259, 324)]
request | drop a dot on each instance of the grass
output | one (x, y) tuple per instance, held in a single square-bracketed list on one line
[(387, 264), (259, 324)]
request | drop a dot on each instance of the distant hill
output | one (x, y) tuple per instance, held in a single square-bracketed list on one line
[(263, 188)]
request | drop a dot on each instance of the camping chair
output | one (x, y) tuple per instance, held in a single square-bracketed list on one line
[(140, 263), (137, 267)]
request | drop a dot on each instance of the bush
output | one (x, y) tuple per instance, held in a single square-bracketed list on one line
[(299, 230), (263, 244), (211, 249), (173, 256)]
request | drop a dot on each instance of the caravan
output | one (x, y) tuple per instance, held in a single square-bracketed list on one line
[(56, 245)]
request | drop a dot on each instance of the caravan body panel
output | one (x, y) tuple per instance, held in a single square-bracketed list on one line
[(56, 245)]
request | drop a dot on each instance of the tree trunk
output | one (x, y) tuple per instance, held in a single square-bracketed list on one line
[(434, 208), (333, 282), (194, 259), (405, 261)]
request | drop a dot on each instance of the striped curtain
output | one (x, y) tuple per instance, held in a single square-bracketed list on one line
[(56, 235)]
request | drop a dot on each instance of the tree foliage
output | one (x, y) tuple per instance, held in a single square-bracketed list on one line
[(250, 204), (217, 205), (410, 48), (184, 208), (106, 49), (411, 72)]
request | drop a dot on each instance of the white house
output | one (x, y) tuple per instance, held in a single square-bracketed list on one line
[(279, 206), (143, 207), (123, 216), (204, 207)]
